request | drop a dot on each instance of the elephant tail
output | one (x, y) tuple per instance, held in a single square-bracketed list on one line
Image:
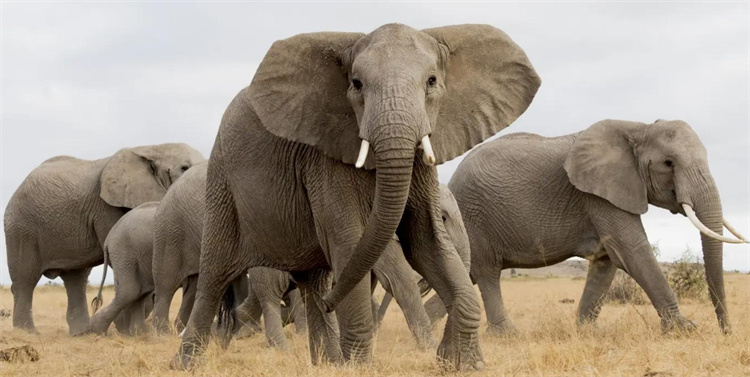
[(227, 318), (96, 303)]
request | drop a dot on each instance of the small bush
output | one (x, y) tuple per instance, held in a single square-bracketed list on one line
[(688, 277), (624, 290)]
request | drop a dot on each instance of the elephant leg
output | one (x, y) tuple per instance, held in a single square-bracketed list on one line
[(272, 321), (188, 300), (248, 316), (498, 322), (221, 262), (356, 323), (118, 308), (627, 246), (600, 275), (298, 315), (122, 321), (323, 328), (23, 295), (162, 302), (137, 312), (397, 278), (78, 313), (382, 309), (435, 309)]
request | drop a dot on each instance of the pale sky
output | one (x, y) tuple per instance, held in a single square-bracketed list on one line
[(87, 79)]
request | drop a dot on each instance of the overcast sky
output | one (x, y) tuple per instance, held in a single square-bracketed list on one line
[(86, 79)]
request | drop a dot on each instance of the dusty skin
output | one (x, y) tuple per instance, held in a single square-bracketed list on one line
[(627, 341)]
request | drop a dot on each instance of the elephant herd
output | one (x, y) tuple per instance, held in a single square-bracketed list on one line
[(322, 182)]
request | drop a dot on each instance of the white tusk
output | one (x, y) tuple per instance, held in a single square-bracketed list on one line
[(363, 150), (182, 333), (734, 231), (282, 303), (429, 154), (704, 229)]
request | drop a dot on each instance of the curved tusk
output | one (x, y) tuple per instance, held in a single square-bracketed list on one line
[(363, 150), (429, 154), (704, 229), (282, 303), (734, 231)]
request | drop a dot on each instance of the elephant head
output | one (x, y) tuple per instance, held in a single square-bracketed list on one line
[(664, 164), (372, 100), (454, 225), (133, 176)]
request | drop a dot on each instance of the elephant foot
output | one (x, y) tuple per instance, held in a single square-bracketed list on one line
[(460, 352), (186, 358), (505, 328), (677, 324)]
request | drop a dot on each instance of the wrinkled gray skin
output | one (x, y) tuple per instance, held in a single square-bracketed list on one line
[(128, 249), (282, 192), (530, 201), (178, 228), (454, 225), (57, 220)]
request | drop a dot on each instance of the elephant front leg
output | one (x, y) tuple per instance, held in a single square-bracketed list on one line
[(626, 244), (323, 328), (78, 313), (498, 321), (599, 279), (299, 316)]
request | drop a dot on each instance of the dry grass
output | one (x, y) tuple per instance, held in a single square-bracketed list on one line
[(626, 342)]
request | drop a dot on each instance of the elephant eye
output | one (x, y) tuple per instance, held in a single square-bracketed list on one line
[(357, 84), (669, 163), (432, 81), (444, 218), (185, 168)]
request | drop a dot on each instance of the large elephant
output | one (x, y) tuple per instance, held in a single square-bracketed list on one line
[(178, 228), (57, 220), (128, 249), (282, 191), (530, 201)]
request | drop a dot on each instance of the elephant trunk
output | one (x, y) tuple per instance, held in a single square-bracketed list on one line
[(394, 159), (707, 205)]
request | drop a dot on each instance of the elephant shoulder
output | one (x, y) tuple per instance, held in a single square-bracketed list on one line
[(522, 136)]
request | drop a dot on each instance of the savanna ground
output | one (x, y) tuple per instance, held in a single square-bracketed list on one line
[(626, 342)]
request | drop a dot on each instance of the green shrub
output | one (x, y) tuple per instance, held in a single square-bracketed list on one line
[(624, 290), (688, 277)]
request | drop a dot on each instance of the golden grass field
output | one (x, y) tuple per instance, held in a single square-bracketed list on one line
[(626, 342)]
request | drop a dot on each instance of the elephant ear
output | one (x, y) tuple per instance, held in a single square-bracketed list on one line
[(602, 162), (299, 93), (128, 179), (489, 83)]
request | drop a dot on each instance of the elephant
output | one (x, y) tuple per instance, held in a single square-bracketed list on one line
[(58, 218), (531, 201), (177, 239), (454, 225), (282, 193), (128, 249)]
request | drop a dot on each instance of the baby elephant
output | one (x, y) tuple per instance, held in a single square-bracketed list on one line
[(128, 249), (530, 201)]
